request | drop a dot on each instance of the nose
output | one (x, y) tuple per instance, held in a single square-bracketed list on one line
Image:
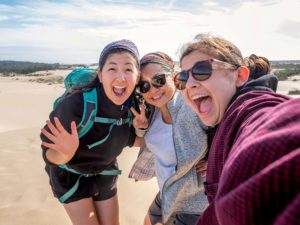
[(120, 76), (191, 82)]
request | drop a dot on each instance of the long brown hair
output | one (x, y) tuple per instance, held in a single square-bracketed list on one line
[(214, 46)]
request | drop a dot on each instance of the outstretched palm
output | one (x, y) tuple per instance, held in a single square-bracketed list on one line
[(64, 142)]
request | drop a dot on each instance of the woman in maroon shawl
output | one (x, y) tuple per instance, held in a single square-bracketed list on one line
[(253, 173)]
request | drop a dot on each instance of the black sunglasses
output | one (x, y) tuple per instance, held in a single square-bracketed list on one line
[(200, 71), (157, 81)]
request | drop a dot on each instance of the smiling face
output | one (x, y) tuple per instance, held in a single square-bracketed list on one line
[(119, 76), (160, 96), (210, 98)]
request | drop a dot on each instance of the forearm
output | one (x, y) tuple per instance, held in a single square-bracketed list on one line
[(137, 141)]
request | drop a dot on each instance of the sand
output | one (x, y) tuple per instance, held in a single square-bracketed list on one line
[(25, 196)]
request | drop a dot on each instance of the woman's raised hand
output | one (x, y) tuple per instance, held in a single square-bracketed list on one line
[(140, 120), (64, 143)]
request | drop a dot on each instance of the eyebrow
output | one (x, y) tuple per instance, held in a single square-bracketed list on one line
[(113, 63)]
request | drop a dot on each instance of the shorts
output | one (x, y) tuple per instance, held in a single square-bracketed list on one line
[(178, 218), (98, 187)]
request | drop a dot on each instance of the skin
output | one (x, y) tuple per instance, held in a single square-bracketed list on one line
[(158, 97), (119, 76), (209, 98)]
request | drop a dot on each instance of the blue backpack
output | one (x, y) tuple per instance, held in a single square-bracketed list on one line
[(80, 77)]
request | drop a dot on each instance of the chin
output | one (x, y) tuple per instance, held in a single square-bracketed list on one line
[(119, 101)]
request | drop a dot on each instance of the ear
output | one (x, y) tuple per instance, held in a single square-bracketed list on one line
[(242, 76), (138, 77), (99, 74)]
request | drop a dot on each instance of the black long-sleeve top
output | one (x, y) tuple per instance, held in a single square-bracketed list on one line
[(101, 156)]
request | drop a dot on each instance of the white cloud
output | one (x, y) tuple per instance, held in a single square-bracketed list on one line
[(85, 27)]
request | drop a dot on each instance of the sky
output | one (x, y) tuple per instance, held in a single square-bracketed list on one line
[(75, 31)]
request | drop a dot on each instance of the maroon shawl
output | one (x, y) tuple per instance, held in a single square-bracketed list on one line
[(253, 174)]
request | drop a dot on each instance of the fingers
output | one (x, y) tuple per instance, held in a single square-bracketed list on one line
[(134, 112), (52, 128), (143, 111), (74, 129), (48, 135), (59, 126), (49, 145)]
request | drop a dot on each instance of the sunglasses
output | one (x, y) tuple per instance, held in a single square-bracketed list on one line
[(157, 81), (200, 71)]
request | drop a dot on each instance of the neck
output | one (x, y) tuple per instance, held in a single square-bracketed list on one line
[(166, 116)]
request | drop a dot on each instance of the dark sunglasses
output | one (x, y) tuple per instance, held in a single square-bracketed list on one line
[(157, 81), (200, 71)]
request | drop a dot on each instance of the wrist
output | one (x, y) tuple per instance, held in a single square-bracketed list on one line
[(56, 158), (140, 132)]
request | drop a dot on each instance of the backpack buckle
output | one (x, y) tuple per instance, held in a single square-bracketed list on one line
[(120, 122)]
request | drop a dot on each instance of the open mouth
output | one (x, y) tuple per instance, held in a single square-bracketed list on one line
[(119, 90), (203, 103)]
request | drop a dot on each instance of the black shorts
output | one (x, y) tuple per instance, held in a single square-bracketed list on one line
[(98, 187), (179, 218)]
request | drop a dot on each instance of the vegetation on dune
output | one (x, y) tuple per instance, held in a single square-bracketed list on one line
[(19, 67), (294, 92), (285, 73), (285, 69), (7, 67)]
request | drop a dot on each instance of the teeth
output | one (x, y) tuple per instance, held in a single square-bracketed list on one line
[(119, 87), (156, 97), (198, 96)]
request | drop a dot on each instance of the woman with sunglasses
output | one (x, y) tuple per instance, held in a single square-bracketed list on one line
[(173, 145), (254, 160), (83, 171)]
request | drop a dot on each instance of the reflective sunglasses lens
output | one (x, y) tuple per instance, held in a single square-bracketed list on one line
[(181, 79), (159, 80), (202, 70), (144, 86)]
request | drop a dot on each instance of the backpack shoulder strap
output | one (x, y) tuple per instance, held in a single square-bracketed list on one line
[(89, 111)]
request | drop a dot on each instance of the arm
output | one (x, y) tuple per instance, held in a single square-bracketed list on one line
[(260, 181), (272, 192), (137, 141), (140, 123)]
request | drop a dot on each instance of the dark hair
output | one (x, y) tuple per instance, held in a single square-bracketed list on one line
[(257, 65)]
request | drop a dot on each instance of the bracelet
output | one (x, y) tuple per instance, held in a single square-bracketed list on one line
[(140, 132)]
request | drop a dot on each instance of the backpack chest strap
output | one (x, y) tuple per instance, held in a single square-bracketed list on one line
[(112, 122), (89, 117)]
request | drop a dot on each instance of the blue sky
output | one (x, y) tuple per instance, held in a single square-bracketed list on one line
[(76, 31)]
